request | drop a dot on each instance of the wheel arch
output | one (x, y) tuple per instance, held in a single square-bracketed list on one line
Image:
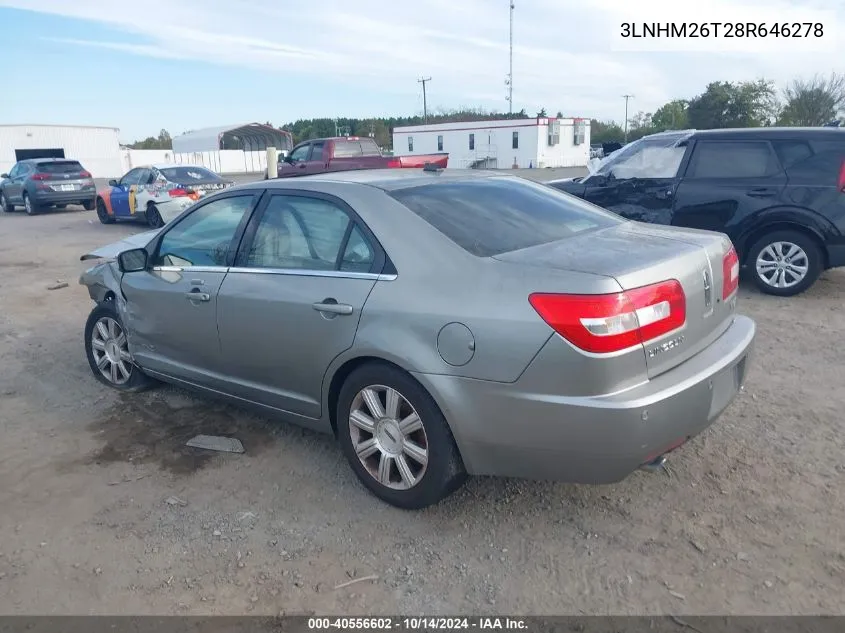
[(758, 232)]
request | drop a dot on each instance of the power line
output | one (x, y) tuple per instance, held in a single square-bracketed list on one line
[(423, 80), (626, 97)]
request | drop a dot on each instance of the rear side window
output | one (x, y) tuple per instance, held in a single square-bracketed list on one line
[(816, 162), (61, 167), (732, 159), (347, 149), (369, 147), (490, 216), (188, 174)]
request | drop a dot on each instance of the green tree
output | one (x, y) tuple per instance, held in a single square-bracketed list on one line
[(726, 105), (605, 132), (542, 112), (671, 116), (813, 102)]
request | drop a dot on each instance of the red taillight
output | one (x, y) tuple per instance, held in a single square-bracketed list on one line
[(394, 163), (610, 323), (41, 176), (730, 273), (840, 184), (179, 193), (84, 174)]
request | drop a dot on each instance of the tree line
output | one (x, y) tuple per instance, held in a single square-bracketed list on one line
[(723, 104)]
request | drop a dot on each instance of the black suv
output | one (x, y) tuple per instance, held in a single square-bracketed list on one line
[(778, 193)]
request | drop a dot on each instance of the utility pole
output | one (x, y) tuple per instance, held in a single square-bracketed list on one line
[(423, 80), (626, 97), (509, 80)]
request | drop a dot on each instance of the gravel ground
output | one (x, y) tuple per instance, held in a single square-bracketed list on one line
[(104, 511)]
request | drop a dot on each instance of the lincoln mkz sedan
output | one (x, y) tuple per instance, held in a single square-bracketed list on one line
[(439, 323)]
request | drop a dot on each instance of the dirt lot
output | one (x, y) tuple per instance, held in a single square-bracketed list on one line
[(749, 522)]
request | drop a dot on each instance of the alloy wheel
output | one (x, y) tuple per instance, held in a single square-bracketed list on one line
[(27, 203), (782, 264), (111, 351), (388, 436)]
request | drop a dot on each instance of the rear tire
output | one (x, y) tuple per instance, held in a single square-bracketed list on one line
[(154, 217), (105, 342), (102, 213), (29, 206), (88, 205), (4, 203), (408, 456), (785, 263)]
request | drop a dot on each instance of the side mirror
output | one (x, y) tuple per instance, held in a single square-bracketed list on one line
[(113, 183), (132, 261), (4, 175)]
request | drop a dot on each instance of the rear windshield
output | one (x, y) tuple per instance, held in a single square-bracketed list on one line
[(490, 216), (65, 167), (188, 174), (362, 147)]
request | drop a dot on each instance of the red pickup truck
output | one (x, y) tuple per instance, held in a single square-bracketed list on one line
[(322, 155)]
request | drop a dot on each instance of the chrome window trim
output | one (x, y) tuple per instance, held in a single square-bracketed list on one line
[(304, 272)]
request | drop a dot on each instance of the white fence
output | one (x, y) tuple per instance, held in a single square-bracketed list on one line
[(225, 161)]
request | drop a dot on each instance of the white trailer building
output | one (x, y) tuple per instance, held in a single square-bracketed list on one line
[(540, 142), (97, 148)]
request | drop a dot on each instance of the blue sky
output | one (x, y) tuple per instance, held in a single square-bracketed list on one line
[(183, 64)]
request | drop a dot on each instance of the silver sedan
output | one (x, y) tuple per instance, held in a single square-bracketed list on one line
[(439, 323)]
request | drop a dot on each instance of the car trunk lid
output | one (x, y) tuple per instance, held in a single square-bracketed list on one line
[(638, 255)]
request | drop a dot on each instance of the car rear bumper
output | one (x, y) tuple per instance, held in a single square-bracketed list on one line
[(64, 197), (505, 429)]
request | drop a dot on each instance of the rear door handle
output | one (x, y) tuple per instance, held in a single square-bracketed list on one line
[(761, 193), (331, 306), (196, 295)]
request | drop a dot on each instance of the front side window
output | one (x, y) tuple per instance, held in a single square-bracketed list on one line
[(490, 216), (317, 152), (300, 233), (131, 177), (204, 237), (300, 153), (732, 159)]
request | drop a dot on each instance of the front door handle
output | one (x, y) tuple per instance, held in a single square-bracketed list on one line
[(761, 193), (331, 306), (302, 165), (196, 295)]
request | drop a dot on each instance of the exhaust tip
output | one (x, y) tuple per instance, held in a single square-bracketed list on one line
[(655, 465)]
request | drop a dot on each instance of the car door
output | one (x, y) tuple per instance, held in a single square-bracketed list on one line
[(13, 188), (297, 163), (120, 193), (138, 195), (171, 307), (727, 183), (318, 158), (642, 185), (293, 301)]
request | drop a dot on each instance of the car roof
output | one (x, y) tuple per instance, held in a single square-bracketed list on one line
[(769, 132), (386, 179)]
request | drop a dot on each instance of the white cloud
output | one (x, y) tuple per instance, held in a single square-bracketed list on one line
[(563, 56)]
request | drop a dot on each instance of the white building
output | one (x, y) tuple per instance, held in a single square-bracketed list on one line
[(97, 148), (230, 149), (540, 142)]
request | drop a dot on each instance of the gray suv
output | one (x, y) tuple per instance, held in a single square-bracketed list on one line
[(40, 183)]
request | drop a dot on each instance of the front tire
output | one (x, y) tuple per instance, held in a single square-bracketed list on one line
[(108, 353), (396, 438), (4, 203), (102, 212), (785, 263)]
